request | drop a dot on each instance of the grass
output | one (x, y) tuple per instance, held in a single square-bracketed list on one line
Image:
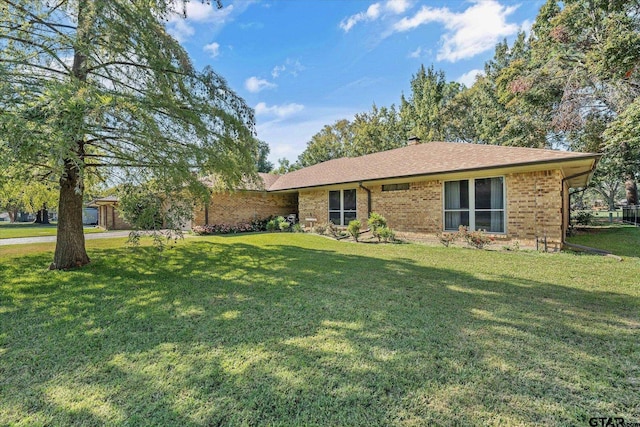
[(29, 229), (623, 240), (293, 329)]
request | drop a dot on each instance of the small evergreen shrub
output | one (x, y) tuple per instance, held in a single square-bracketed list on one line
[(354, 228), (386, 234), (376, 222), (284, 226), (297, 228)]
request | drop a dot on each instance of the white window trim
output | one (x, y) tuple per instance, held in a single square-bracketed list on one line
[(341, 210), (472, 203)]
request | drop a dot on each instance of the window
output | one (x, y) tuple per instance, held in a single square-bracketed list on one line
[(475, 203), (342, 206), (395, 187)]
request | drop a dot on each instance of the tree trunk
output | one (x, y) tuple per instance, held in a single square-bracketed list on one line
[(13, 215), (70, 249), (44, 215), (631, 190)]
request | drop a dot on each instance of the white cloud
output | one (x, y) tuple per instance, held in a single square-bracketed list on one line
[(255, 84), (416, 53), (292, 66), (397, 6), (180, 30), (198, 12), (277, 70), (279, 111), (469, 33), (371, 14), (213, 49), (469, 78)]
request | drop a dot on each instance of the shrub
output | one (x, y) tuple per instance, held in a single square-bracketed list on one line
[(243, 227), (320, 229), (447, 238), (386, 234), (376, 222), (354, 228), (583, 218), (272, 225), (332, 230), (297, 228), (284, 226), (478, 239)]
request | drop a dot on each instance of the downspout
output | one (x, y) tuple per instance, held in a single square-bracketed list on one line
[(368, 198)]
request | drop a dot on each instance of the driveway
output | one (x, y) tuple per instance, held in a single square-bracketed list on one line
[(45, 239)]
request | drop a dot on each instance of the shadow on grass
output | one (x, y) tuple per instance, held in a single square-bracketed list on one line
[(226, 332)]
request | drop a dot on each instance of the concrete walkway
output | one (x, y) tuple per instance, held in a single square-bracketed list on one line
[(45, 239)]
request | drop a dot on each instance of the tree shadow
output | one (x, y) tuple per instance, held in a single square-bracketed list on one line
[(225, 332)]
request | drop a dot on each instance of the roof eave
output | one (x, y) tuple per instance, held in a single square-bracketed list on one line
[(594, 157)]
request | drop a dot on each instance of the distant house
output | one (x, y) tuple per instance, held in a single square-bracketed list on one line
[(514, 192), (108, 216)]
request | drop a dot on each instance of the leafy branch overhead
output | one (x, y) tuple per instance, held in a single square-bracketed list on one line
[(88, 85)]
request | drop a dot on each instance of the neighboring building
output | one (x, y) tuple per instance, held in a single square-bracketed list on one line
[(519, 193), (108, 216)]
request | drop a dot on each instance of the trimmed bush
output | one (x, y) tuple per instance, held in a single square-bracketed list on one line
[(354, 228)]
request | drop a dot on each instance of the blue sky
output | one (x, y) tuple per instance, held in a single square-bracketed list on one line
[(303, 64)]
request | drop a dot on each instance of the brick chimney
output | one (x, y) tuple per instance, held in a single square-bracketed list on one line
[(413, 140)]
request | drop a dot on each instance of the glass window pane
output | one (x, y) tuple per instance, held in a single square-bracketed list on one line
[(452, 220), (489, 193), (491, 221), (334, 217), (349, 216), (456, 194), (334, 200), (349, 200)]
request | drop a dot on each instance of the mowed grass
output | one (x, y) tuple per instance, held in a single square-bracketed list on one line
[(28, 229), (293, 329), (623, 240)]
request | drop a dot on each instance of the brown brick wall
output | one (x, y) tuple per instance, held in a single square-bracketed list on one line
[(109, 218), (315, 204), (235, 208), (534, 205), (417, 210)]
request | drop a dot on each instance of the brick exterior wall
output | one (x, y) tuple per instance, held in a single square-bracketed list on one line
[(417, 210), (246, 206), (314, 204), (534, 206), (109, 218)]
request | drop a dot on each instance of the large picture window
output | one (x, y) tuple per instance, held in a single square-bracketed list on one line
[(475, 203), (342, 206)]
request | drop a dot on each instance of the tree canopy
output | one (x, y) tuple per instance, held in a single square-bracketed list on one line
[(90, 85)]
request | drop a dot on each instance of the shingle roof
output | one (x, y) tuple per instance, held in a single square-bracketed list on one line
[(421, 159)]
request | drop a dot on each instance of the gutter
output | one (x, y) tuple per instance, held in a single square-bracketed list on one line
[(368, 198)]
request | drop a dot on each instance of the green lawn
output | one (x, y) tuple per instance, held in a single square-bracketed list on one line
[(28, 229), (293, 329), (623, 240)]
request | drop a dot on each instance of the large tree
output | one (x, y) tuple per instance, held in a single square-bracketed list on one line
[(89, 84)]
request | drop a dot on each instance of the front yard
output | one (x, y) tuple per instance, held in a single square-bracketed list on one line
[(293, 329)]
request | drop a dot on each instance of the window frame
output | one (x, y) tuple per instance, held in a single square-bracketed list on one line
[(342, 210), (472, 204)]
